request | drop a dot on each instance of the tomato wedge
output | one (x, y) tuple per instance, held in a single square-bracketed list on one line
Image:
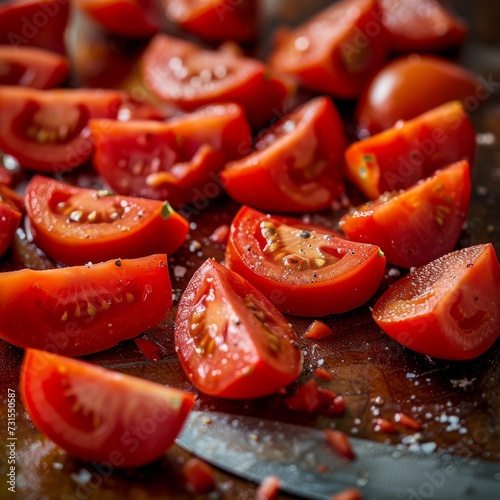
[(335, 51), (305, 270), (297, 165), (32, 67), (232, 342), (411, 85), (34, 23), (84, 309), (448, 309), (46, 130), (172, 160), (130, 18), (10, 219), (410, 151), (423, 26), (215, 20), (415, 226), (182, 73), (99, 415), (75, 225)]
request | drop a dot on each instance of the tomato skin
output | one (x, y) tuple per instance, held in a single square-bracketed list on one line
[(349, 275), (448, 309), (99, 415), (32, 67), (254, 352), (410, 151), (293, 171), (81, 310), (215, 21), (34, 23), (424, 26), (75, 225), (9, 222), (130, 18), (416, 226), (335, 51), (411, 85), (172, 160), (46, 130), (170, 64)]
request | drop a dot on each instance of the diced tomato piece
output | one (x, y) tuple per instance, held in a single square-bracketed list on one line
[(407, 421), (318, 331), (9, 222), (198, 476), (323, 374), (340, 443), (383, 425), (307, 397), (348, 494), (268, 489), (220, 234)]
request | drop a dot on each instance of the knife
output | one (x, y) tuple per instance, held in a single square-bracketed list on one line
[(308, 467)]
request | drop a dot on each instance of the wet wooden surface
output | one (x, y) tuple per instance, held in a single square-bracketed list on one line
[(458, 403)]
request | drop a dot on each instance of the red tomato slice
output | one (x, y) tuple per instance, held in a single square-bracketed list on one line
[(6, 177), (32, 67), (215, 20), (172, 160), (9, 222), (75, 225), (335, 51), (101, 415), (305, 270), (410, 151), (411, 85), (84, 309), (231, 340), (34, 23), (46, 130), (448, 309), (418, 225), (297, 165), (425, 25), (131, 18), (189, 76)]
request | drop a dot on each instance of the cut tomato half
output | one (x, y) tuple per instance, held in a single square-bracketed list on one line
[(75, 225), (232, 342), (100, 415), (449, 308), (305, 270), (84, 309)]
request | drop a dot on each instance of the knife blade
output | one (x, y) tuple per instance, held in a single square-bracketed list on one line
[(308, 467)]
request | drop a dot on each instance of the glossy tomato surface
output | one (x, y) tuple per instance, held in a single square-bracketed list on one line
[(130, 18), (297, 165), (99, 415), (411, 85), (174, 160), (32, 67), (415, 226), (215, 20), (421, 26), (183, 73), (305, 270), (84, 309), (231, 341), (448, 309), (410, 151), (336, 50), (76, 225), (47, 130), (10, 219)]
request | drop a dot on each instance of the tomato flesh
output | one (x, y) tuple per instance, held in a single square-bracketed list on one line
[(305, 270), (10, 219), (231, 340), (77, 225), (410, 151), (297, 165), (46, 130), (172, 160), (448, 309), (184, 74), (100, 415), (84, 309), (335, 51), (418, 225)]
